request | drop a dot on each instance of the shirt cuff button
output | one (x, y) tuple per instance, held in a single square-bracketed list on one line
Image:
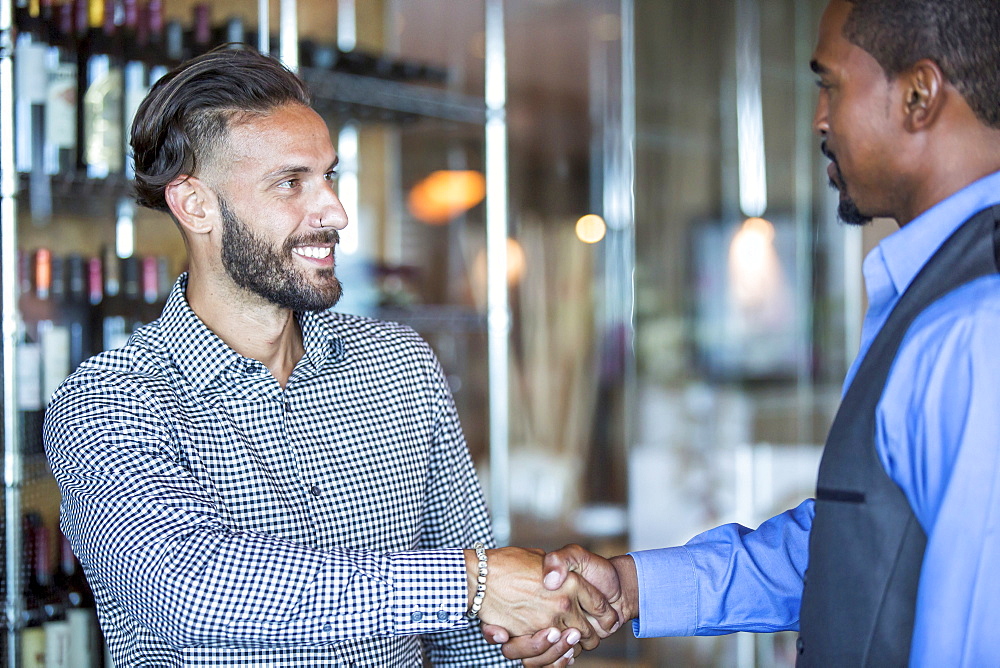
[(442, 615), (416, 616)]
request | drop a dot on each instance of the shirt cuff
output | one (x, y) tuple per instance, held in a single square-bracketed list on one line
[(430, 591), (668, 593)]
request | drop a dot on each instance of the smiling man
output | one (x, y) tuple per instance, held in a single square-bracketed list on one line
[(894, 561), (254, 480)]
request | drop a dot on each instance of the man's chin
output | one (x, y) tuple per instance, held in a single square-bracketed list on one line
[(849, 213)]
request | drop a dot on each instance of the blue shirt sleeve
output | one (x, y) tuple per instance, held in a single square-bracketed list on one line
[(939, 438), (727, 579)]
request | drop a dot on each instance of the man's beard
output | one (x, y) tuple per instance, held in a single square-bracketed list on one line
[(255, 266), (847, 210)]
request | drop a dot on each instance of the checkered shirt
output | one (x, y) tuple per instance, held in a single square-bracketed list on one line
[(224, 521)]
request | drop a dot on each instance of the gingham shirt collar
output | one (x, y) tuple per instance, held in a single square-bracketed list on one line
[(202, 356)]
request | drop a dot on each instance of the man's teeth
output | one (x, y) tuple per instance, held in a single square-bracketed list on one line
[(315, 252)]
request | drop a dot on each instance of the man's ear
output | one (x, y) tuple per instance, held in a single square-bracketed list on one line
[(192, 203), (924, 94)]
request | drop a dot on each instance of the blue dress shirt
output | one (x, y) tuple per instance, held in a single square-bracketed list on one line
[(938, 437)]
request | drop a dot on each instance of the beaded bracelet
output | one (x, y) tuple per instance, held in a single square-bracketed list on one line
[(477, 601)]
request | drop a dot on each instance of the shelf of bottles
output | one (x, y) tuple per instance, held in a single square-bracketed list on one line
[(84, 66), (81, 69)]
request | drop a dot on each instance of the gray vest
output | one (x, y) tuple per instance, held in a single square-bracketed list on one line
[(866, 547)]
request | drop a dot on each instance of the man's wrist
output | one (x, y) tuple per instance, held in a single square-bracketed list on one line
[(471, 573), (475, 574), (628, 581)]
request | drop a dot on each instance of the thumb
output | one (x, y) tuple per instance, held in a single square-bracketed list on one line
[(558, 565), (495, 635), (595, 569)]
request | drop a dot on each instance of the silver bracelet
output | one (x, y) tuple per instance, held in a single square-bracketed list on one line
[(477, 601)]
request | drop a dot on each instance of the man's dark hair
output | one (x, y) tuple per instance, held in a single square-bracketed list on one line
[(187, 114), (961, 36)]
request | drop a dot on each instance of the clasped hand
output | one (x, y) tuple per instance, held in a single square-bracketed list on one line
[(546, 609)]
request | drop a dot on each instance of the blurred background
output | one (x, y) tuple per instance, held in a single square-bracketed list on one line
[(610, 218)]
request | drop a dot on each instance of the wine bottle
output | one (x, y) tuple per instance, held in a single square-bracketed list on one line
[(95, 284), (37, 590), (136, 79), (114, 332), (152, 15), (53, 332), (152, 292), (27, 16), (46, 633), (50, 597), (75, 310), (201, 29), (29, 354), (164, 280), (60, 101), (102, 100), (233, 31), (173, 38), (37, 310), (130, 306), (78, 600), (31, 88)]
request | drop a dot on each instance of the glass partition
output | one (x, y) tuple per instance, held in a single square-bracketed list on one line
[(682, 305)]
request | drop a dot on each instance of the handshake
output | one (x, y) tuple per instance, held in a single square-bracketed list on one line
[(547, 608)]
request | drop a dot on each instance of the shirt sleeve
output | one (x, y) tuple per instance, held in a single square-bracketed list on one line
[(456, 515), (727, 579), (158, 550), (938, 433)]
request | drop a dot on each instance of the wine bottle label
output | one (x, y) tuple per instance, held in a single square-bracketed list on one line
[(33, 647), (29, 367), (57, 639), (30, 70), (83, 637), (103, 118), (60, 106), (30, 85), (55, 340)]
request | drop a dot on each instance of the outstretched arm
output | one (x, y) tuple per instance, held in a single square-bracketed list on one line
[(725, 580)]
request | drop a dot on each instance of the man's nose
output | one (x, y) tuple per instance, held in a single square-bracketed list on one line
[(330, 211)]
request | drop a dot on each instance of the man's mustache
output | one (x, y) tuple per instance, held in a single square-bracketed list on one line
[(324, 237), (824, 149)]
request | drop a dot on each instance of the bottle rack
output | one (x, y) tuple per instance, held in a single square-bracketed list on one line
[(52, 178)]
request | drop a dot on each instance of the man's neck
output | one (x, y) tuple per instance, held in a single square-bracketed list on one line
[(249, 324), (949, 161)]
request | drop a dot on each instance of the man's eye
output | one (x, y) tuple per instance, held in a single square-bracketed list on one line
[(331, 175), (290, 183)]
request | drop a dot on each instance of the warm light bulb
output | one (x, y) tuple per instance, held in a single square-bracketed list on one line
[(445, 194), (591, 228)]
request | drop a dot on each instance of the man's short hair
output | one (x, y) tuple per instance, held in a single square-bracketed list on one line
[(187, 114), (961, 36)]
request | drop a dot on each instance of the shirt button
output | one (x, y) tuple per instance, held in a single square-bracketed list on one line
[(288, 407), (314, 490), (327, 628), (442, 615), (416, 616)]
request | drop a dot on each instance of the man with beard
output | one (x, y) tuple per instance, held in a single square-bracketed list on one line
[(895, 560), (253, 479)]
